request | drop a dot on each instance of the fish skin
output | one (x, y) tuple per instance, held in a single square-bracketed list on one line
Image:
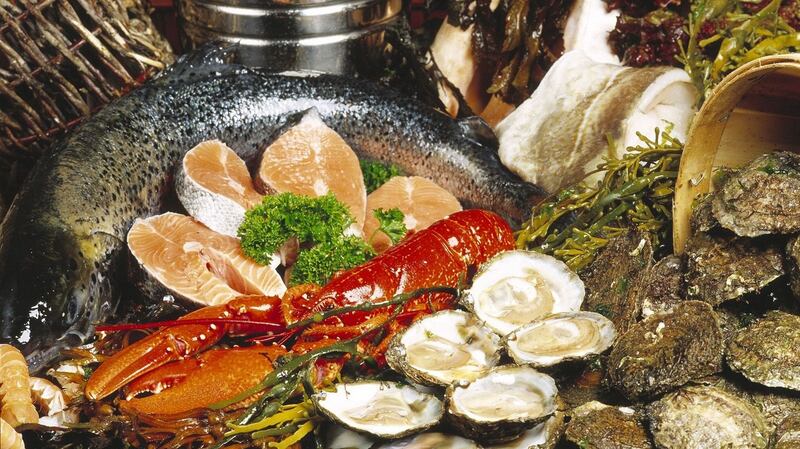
[(62, 243)]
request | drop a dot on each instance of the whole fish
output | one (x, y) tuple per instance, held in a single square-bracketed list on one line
[(62, 243)]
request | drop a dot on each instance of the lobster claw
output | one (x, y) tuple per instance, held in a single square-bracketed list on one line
[(195, 383), (184, 340)]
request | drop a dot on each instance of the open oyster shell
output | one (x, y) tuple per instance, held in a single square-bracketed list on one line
[(703, 417), (518, 287), (542, 436), (431, 440), (754, 201), (595, 425), (380, 409), (444, 347), (502, 404), (560, 337), (666, 351), (768, 351)]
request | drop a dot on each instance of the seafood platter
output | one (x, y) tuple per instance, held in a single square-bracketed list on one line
[(577, 225)]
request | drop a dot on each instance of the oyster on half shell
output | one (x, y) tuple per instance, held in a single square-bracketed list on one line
[(543, 436), (380, 409), (502, 404), (431, 440), (518, 287), (444, 347), (560, 337), (766, 352)]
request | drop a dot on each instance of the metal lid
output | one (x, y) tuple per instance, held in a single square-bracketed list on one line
[(287, 20)]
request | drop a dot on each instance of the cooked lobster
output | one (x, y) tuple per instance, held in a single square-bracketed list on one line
[(444, 254)]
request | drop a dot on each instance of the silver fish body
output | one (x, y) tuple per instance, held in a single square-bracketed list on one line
[(62, 243)]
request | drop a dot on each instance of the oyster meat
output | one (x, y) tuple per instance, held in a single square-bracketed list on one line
[(543, 436), (518, 287), (704, 417), (722, 268), (502, 404), (666, 351), (768, 351), (380, 409), (616, 279), (560, 337), (431, 440), (595, 425), (755, 202), (444, 347)]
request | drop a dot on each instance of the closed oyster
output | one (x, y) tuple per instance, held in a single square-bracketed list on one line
[(721, 268), (666, 351), (560, 337), (703, 417), (431, 440), (766, 352), (502, 404), (617, 277), (595, 425), (755, 202), (787, 436), (380, 409), (518, 287), (793, 265), (665, 286), (543, 436), (444, 347)]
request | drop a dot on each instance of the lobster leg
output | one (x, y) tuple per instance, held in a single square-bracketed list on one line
[(181, 341)]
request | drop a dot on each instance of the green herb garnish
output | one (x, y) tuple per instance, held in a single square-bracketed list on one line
[(391, 222), (318, 264), (377, 173)]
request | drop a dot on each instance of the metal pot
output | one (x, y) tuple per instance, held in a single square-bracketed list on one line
[(335, 36)]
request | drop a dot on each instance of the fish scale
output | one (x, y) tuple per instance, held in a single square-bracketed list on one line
[(62, 242)]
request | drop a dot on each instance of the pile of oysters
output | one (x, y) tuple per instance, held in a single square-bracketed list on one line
[(695, 351)]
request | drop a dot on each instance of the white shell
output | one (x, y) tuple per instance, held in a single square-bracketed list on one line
[(431, 440), (561, 337), (534, 438), (445, 347), (518, 287), (507, 393), (381, 409)]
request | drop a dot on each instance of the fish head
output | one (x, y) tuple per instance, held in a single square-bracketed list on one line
[(45, 290)]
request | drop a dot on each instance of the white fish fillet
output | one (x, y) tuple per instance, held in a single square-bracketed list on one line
[(587, 28), (560, 133)]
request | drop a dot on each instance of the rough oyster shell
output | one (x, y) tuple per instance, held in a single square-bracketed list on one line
[(665, 286), (666, 351), (768, 351), (595, 425), (616, 278), (787, 436), (431, 440), (722, 268), (703, 417), (518, 287), (502, 404), (754, 201), (793, 265), (380, 409), (543, 436), (560, 337), (444, 347)]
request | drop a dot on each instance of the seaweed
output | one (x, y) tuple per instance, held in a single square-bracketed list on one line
[(636, 191)]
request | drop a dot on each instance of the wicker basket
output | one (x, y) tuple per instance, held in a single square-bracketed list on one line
[(62, 60)]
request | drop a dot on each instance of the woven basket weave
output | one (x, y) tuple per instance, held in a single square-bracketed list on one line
[(62, 60)]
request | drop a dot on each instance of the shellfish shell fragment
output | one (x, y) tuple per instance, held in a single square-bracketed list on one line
[(444, 347), (559, 338), (381, 409)]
